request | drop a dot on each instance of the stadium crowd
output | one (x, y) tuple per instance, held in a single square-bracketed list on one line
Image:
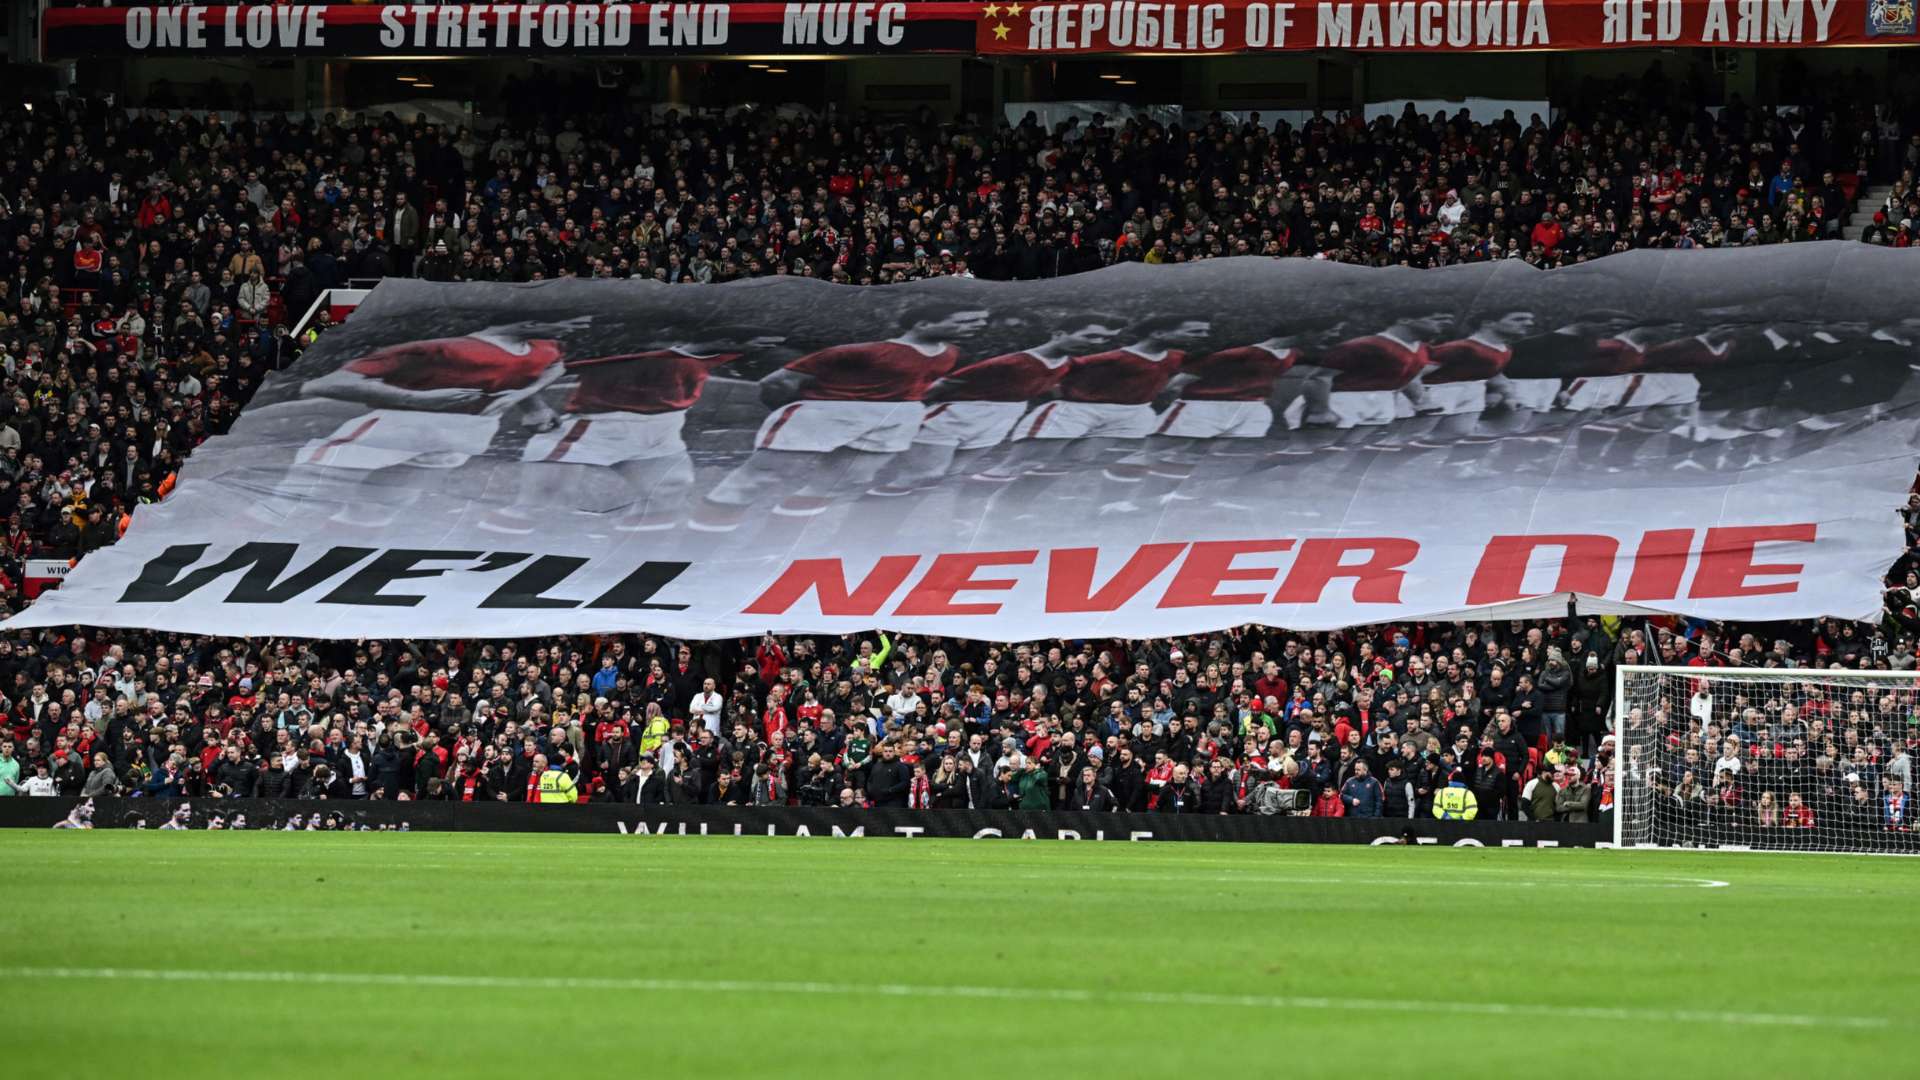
[(1375, 722), (153, 263)]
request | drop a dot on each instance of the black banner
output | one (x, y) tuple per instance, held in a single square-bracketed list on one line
[(631, 820)]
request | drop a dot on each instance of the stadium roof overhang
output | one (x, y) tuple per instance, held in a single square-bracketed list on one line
[(1051, 29)]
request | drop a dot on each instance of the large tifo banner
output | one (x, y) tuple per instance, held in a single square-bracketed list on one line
[(1138, 451), (982, 27)]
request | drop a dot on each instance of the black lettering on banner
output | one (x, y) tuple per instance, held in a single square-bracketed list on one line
[(264, 562), (637, 589), (524, 590), (363, 588), (499, 560)]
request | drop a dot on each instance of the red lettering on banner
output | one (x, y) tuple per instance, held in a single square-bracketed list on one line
[(1210, 563), (1376, 581), (1586, 565), (952, 574), (828, 578), (1726, 561), (1660, 564), (1070, 577)]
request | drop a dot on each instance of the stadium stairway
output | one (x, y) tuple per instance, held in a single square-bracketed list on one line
[(1870, 199)]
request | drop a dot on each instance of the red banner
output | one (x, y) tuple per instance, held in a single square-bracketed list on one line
[(988, 28), (1437, 25)]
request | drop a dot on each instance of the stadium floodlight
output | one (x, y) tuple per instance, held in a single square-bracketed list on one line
[(1775, 759)]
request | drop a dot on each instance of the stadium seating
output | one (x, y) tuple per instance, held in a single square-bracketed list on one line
[(153, 265)]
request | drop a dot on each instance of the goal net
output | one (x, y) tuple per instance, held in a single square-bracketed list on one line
[(1790, 760)]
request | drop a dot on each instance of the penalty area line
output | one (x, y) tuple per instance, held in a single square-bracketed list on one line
[(1729, 1018)]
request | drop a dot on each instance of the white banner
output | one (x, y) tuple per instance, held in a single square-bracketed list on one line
[(1139, 451)]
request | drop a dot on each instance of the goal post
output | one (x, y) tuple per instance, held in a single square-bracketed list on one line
[(1777, 759)]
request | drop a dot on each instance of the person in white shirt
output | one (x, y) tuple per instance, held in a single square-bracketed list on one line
[(902, 703), (707, 705), (1452, 212), (1729, 757), (40, 783)]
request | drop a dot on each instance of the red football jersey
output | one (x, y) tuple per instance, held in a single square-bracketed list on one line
[(660, 381), (1245, 373), (1016, 376), (1688, 354), (462, 363), (875, 371), (1611, 356), (1468, 360), (1119, 377), (1374, 362)]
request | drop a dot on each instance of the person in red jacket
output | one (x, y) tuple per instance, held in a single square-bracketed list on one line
[(1158, 778), (1547, 235), (771, 659), (1328, 804), (775, 718)]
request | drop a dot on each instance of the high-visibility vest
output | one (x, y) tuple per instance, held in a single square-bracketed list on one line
[(557, 787), (1455, 804), (654, 734)]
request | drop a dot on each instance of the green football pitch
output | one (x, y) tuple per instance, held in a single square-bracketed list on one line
[(373, 954)]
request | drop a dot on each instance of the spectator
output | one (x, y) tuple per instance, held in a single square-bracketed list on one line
[(1362, 795), (1573, 800), (41, 782), (888, 781)]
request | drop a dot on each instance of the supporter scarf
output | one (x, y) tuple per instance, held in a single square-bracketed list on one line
[(1157, 779), (921, 795)]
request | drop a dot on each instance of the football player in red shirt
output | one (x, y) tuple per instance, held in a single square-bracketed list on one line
[(1662, 402), (1374, 378), (1616, 394), (435, 404), (839, 415), (618, 444), (1521, 417), (1457, 388), (1102, 409), (1226, 401), (1523, 394), (975, 408)]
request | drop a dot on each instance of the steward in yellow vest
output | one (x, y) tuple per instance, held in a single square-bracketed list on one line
[(556, 786), (1456, 802)]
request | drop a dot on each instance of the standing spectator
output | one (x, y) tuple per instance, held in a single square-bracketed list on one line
[(10, 783), (1035, 786), (1089, 794), (1574, 799), (707, 705), (887, 781), (1554, 686), (1329, 803), (1362, 795), (41, 783), (403, 235), (650, 787)]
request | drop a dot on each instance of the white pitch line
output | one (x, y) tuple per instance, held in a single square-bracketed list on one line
[(1284, 879), (996, 993)]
